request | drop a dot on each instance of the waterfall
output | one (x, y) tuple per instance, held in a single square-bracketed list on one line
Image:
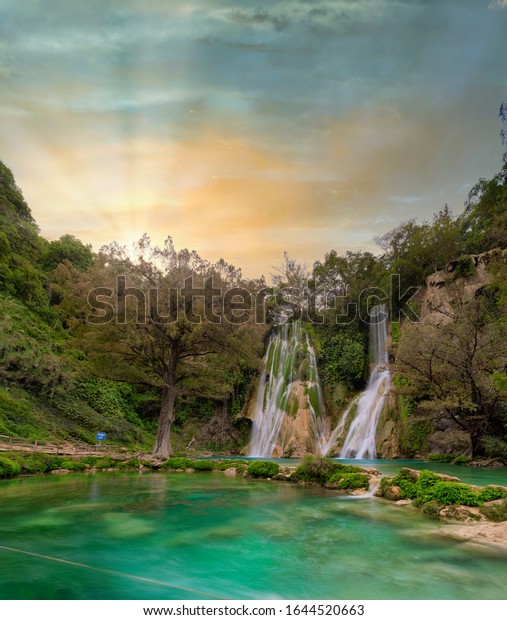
[(360, 440), (326, 445), (289, 381)]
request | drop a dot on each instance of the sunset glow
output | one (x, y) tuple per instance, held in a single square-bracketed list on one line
[(245, 131)]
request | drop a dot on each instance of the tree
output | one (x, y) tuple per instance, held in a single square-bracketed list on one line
[(30, 352), (442, 242), (415, 250), (21, 247), (290, 273), (456, 361), (68, 248), (484, 221), (13, 206), (175, 322), (342, 358)]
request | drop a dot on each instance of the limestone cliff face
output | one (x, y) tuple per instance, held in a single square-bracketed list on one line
[(436, 296), (299, 430), (424, 431), (287, 408), (387, 438), (297, 434)]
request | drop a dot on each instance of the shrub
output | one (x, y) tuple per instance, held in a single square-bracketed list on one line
[(461, 460), (73, 465), (465, 267), (426, 482), (408, 490), (494, 447), (427, 478), (448, 493), (489, 494), (104, 462), (130, 464), (319, 469), (406, 480), (178, 462), (406, 474), (204, 465), (38, 463), (262, 469), (348, 469), (8, 467), (56, 462), (441, 458), (238, 463), (431, 493), (385, 485), (352, 481), (335, 478), (100, 462)]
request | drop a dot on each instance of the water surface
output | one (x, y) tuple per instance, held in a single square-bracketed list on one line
[(207, 535)]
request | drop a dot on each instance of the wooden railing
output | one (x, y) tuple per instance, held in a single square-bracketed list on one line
[(23, 444)]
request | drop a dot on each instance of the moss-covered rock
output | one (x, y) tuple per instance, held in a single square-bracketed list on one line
[(445, 496), (262, 469)]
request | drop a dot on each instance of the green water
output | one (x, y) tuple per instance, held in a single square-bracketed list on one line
[(226, 537), (471, 475)]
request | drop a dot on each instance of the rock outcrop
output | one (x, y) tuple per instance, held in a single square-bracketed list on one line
[(436, 296)]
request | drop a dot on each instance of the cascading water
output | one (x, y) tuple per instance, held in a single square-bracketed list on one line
[(360, 440), (289, 384), (327, 445)]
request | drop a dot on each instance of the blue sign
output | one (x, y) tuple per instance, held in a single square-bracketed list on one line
[(100, 437)]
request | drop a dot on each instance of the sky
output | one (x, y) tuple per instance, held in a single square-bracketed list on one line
[(246, 129)]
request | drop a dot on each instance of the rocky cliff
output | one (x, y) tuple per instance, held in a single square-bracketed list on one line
[(410, 429)]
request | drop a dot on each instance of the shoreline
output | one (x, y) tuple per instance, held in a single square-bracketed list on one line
[(463, 523)]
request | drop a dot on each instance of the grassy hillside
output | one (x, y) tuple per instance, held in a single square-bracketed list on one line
[(46, 391)]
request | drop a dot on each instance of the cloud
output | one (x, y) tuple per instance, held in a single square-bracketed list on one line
[(244, 131), (260, 18), (283, 15), (249, 47)]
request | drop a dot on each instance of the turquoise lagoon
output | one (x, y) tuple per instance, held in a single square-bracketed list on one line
[(205, 535)]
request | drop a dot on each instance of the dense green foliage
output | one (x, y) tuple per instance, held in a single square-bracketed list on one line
[(262, 469), (182, 462), (484, 222), (321, 470), (441, 458), (177, 462), (342, 358), (67, 248), (15, 463), (465, 267), (449, 458), (348, 482), (8, 467), (428, 489), (61, 376), (21, 247)]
